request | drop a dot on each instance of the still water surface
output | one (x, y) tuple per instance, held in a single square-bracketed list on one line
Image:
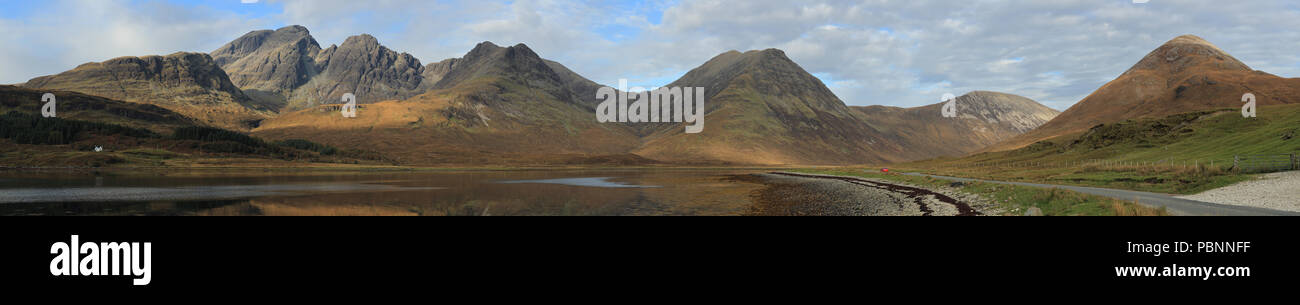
[(529, 192)]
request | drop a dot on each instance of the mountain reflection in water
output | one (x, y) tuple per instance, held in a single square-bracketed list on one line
[(537, 192)]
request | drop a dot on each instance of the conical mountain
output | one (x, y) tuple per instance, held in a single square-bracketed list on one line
[(1184, 75), (188, 83), (982, 118), (762, 108), (1187, 53)]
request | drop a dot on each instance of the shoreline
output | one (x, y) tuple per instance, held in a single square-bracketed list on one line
[(794, 194), (310, 168)]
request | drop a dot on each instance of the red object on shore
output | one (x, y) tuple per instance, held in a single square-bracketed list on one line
[(885, 170)]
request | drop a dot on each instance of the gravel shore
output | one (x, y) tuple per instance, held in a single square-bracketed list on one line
[(803, 194), (1278, 191)]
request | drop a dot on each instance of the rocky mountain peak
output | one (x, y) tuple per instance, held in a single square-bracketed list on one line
[(481, 49), (767, 102), (271, 61), (435, 71), (523, 51), (262, 40), (364, 67), (179, 69), (517, 62), (768, 72), (774, 54), (364, 41), (297, 29)]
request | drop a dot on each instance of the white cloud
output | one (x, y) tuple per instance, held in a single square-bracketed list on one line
[(903, 52), (72, 32), (893, 52)]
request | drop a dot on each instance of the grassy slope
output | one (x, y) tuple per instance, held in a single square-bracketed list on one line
[(77, 106), (1018, 199), (29, 140), (1170, 155)]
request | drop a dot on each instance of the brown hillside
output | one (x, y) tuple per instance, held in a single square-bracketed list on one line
[(762, 108), (188, 83), (77, 106)]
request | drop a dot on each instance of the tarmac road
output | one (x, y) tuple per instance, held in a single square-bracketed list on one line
[(1175, 206)]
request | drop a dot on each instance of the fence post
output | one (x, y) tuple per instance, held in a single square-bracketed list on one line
[(1294, 166), (1235, 161)]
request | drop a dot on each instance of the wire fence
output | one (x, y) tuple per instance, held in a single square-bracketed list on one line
[(1265, 163), (1103, 163)]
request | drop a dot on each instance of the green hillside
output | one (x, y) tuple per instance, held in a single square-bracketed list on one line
[(1184, 153)]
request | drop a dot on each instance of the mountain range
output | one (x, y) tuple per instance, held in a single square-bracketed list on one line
[(508, 105), (496, 105), (288, 68)]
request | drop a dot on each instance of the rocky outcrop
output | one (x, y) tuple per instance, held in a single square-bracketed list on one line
[(363, 67), (435, 71), (288, 68), (1014, 113), (271, 61), (489, 60)]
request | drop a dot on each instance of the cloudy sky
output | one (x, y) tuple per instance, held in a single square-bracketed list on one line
[(870, 52)]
